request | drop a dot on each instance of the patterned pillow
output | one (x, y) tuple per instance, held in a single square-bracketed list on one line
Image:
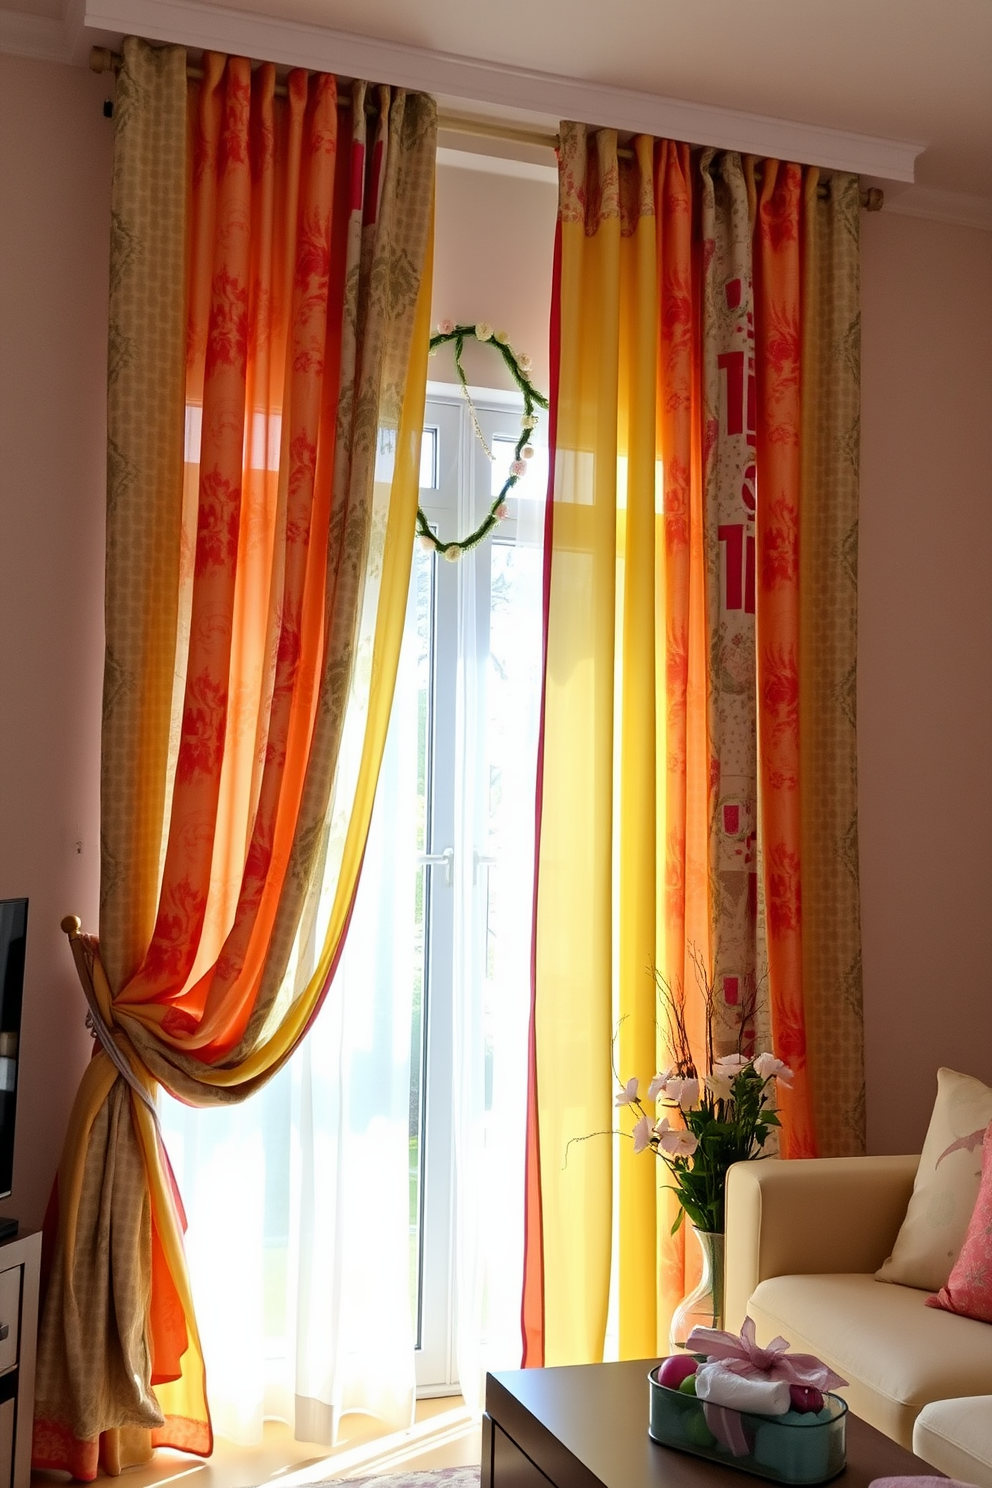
[(969, 1286), (946, 1185)]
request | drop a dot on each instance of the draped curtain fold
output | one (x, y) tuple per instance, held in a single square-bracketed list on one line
[(270, 282), (698, 770)]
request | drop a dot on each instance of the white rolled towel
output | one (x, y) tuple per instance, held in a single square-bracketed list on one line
[(761, 1397)]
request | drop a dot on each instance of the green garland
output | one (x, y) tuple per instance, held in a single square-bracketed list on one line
[(518, 367)]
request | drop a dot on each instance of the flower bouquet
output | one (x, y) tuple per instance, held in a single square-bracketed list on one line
[(722, 1117), (711, 1121)]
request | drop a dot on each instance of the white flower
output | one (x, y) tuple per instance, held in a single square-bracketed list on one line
[(642, 1134), (484, 330), (524, 362), (503, 337), (628, 1093), (733, 1063), (658, 1084), (529, 421), (518, 468), (676, 1142), (720, 1084), (767, 1067), (685, 1092), (427, 543), (445, 327), (452, 554)]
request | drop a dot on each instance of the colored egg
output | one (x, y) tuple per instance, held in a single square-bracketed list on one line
[(688, 1385), (696, 1430), (673, 1370), (804, 1398)]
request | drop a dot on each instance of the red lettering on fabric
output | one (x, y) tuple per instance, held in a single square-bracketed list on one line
[(734, 292), (731, 990), (731, 820), (733, 535), (732, 362)]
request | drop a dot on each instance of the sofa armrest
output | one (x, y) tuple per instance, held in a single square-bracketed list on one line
[(810, 1216)]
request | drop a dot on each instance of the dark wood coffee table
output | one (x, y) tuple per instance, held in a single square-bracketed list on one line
[(586, 1426)]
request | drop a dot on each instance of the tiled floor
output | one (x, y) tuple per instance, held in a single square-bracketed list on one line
[(444, 1436)]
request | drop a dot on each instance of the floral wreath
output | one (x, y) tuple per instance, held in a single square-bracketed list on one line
[(519, 368)]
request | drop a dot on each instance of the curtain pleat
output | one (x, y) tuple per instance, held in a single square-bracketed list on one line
[(259, 722), (831, 369), (674, 768)]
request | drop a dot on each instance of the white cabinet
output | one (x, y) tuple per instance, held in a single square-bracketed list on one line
[(20, 1262)]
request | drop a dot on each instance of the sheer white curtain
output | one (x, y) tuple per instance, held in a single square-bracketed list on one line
[(299, 1200), (498, 710)]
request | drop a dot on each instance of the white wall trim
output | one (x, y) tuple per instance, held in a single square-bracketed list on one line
[(942, 206), (40, 37), (553, 97)]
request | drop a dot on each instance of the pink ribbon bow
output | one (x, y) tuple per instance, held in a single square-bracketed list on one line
[(743, 1356)]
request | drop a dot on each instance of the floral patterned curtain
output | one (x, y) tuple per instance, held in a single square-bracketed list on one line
[(263, 463)]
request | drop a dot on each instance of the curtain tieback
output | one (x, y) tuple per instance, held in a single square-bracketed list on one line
[(84, 953)]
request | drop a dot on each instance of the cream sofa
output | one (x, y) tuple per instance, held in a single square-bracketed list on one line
[(804, 1239)]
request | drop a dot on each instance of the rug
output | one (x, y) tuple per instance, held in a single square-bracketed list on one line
[(440, 1477)]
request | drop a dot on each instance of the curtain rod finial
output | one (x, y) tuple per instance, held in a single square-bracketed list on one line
[(72, 925), (101, 59), (874, 199)]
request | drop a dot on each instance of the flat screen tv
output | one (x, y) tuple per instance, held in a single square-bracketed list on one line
[(13, 935)]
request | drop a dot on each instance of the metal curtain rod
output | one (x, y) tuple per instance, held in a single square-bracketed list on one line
[(103, 59)]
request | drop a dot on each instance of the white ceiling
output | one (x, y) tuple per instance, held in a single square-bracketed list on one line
[(917, 71)]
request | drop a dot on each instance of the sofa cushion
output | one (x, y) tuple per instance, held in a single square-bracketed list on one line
[(955, 1436), (946, 1186), (969, 1286), (897, 1353)]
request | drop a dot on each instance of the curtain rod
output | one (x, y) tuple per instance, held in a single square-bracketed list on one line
[(103, 59)]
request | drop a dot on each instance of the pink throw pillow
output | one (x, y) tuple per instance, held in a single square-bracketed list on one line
[(969, 1286)]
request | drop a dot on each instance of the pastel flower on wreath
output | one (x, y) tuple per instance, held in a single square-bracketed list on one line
[(720, 1084), (529, 421), (427, 543), (684, 1092), (503, 337), (445, 327), (628, 1094), (452, 554), (642, 1134), (767, 1067), (518, 468), (484, 331), (675, 1141), (528, 452), (502, 512), (658, 1084), (524, 362)]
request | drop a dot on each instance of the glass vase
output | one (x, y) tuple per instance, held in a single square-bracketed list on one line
[(703, 1306)]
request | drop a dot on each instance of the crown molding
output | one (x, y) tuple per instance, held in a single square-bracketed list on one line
[(551, 97), (942, 206), (40, 37)]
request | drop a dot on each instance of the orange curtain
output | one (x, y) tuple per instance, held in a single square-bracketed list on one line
[(670, 822), (251, 655)]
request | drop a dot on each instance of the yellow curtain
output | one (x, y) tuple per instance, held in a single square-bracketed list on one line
[(690, 306), (256, 593)]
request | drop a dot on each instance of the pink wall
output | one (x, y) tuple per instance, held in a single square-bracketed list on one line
[(925, 665), (54, 187)]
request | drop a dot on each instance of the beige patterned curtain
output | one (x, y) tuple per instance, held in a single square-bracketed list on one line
[(831, 372), (268, 351)]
